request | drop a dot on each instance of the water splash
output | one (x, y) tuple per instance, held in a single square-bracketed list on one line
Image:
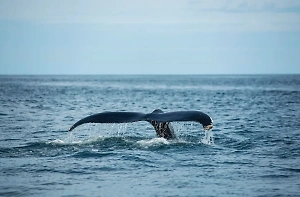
[(208, 138), (153, 142), (71, 139), (56, 141)]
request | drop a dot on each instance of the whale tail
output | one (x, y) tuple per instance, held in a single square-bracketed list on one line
[(160, 121)]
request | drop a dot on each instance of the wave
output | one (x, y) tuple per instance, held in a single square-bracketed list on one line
[(153, 142), (96, 146)]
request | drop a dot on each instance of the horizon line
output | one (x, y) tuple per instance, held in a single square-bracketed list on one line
[(141, 74)]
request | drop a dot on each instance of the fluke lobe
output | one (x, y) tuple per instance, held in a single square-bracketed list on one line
[(159, 120)]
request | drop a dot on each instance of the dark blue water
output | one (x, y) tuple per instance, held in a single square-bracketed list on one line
[(254, 151)]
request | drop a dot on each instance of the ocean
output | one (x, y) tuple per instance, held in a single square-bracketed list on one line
[(252, 150)]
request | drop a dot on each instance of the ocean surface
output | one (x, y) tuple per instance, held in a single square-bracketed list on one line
[(252, 150)]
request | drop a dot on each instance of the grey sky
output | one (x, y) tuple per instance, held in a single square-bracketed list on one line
[(149, 37)]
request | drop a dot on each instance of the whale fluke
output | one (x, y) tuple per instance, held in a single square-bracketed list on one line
[(159, 120), (110, 117)]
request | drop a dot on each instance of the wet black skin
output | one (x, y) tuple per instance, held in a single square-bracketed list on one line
[(159, 120)]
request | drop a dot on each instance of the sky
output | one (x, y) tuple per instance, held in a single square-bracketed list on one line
[(149, 37)]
